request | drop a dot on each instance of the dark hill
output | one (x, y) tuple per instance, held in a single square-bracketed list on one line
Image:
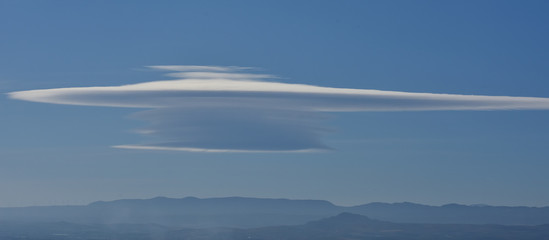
[(352, 226), (453, 213)]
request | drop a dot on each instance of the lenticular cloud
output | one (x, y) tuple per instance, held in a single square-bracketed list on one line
[(227, 109)]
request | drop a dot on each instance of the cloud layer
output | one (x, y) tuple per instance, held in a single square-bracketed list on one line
[(214, 108)]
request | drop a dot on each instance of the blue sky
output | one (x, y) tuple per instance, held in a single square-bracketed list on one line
[(60, 154)]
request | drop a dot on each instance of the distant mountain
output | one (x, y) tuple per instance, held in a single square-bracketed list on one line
[(353, 226), (453, 213), (343, 226), (239, 212), (186, 212)]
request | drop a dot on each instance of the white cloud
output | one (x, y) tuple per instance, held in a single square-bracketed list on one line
[(191, 68), (219, 75), (205, 150), (212, 108)]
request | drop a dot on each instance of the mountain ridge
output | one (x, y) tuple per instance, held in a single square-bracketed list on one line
[(341, 226), (246, 212)]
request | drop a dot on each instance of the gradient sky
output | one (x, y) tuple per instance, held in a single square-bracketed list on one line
[(60, 154)]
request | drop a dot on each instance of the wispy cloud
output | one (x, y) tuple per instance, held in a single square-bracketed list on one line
[(219, 75), (198, 68), (215, 108)]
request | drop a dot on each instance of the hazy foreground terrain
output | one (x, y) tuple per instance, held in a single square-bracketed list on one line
[(252, 218)]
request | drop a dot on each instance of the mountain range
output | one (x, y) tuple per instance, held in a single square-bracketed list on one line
[(241, 212), (346, 226)]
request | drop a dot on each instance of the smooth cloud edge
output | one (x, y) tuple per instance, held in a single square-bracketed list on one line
[(210, 150), (259, 90)]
